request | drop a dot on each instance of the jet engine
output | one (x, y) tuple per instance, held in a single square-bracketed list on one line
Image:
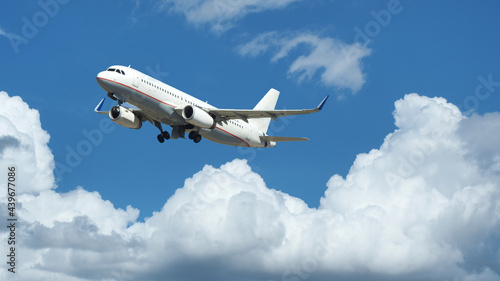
[(270, 144), (124, 117), (198, 117)]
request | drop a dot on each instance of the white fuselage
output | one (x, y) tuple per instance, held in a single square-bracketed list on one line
[(158, 100)]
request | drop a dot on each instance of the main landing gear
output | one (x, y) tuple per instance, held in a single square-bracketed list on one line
[(194, 136), (164, 135)]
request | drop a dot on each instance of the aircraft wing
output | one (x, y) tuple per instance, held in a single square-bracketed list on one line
[(245, 114)]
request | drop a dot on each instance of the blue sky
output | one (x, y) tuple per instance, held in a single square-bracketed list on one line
[(434, 48)]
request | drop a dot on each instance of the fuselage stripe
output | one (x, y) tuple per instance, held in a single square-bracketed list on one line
[(233, 135)]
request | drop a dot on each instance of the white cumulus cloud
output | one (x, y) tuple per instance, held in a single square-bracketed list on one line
[(220, 15), (23, 142), (337, 63), (423, 206)]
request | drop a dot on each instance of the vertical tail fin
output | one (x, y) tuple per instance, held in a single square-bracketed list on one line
[(268, 102)]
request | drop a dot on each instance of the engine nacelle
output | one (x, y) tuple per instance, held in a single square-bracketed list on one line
[(270, 144), (124, 117), (198, 117)]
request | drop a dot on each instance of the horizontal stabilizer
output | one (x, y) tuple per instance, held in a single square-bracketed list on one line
[(278, 139)]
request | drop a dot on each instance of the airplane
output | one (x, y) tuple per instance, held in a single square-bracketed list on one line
[(159, 103)]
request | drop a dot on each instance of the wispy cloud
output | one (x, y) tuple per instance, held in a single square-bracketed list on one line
[(134, 15), (417, 206), (3, 33), (6, 34), (339, 64), (220, 15)]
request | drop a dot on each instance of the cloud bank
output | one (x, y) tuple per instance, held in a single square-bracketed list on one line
[(24, 142), (338, 64), (423, 206)]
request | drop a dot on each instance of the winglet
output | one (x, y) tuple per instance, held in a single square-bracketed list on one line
[(320, 106), (99, 107)]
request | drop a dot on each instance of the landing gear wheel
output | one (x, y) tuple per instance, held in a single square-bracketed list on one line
[(160, 138), (192, 135), (197, 138), (165, 135)]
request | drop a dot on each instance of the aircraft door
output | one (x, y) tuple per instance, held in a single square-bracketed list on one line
[(135, 80), (249, 133)]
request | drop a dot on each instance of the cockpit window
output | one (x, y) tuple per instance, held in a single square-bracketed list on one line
[(116, 70)]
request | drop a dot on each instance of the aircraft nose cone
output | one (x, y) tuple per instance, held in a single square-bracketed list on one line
[(103, 80), (101, 74)]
